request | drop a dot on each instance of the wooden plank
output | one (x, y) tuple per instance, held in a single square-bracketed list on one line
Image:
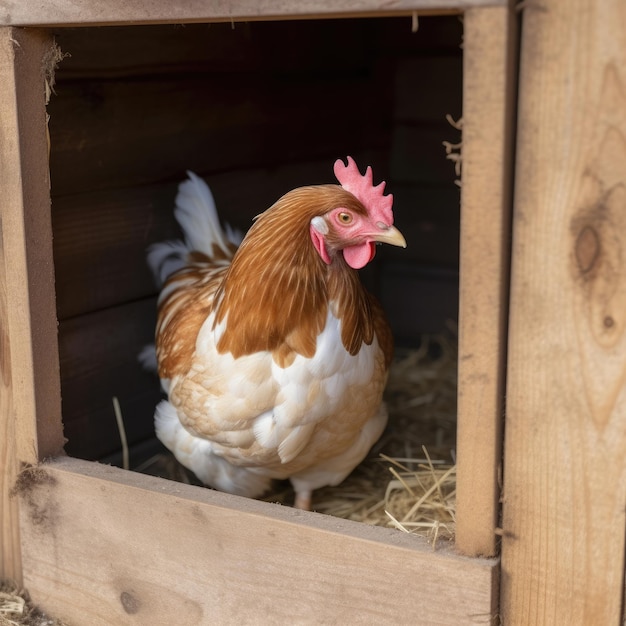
[(10, 556), (169, 553), (98, 361), (418, 155), (125, 51), (167, 49), (82, 12), (429, 296), (100, 242), (564, 489), (488, 117), (30, 423), (438, 74), (111, 134)]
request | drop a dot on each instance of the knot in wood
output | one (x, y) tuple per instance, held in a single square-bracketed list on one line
[(587, 249), (130, 603)]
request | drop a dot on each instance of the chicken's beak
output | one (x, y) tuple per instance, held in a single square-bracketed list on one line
[(390, 235)]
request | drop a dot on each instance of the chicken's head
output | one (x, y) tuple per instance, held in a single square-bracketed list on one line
[(356, 232)]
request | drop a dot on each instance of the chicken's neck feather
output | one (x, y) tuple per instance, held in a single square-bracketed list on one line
[(276, 293)]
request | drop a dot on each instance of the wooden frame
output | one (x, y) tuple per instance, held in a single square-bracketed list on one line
[(30, 423), (337, 568), (489, 89)]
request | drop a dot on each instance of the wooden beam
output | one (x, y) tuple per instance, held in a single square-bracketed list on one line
[(84, 12), (10, 560), (29, 364), (104, 546), (486, 196), (28, 57), (565, 461)]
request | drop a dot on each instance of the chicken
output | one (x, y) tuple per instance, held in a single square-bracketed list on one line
[(272, 355)]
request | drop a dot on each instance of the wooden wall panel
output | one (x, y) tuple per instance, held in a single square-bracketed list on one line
[(98, 361), (100, 241), (565, 462), (125, 133), (126, 51)]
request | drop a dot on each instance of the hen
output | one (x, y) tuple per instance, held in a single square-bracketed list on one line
[(272, 355)]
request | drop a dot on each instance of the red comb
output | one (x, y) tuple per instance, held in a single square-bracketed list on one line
[(373, 199)]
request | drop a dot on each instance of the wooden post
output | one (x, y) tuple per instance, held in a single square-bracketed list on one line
[(489, 79), (30, 411), (565, 444)]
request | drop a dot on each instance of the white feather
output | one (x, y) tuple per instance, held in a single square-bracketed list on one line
[(196, 213), (202, 458), (165, 258), (291, 445), (148, 358), (334, 470), (265, 431)]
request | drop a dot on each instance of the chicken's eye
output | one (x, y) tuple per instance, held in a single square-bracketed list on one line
[(344, 218)]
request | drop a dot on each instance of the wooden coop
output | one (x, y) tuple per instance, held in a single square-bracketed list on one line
[(104, 107)]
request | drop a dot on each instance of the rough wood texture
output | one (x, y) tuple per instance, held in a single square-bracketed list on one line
[(10, 558), (30, 423), (169, 553), (565, 465), (82, 12), (488, 118)]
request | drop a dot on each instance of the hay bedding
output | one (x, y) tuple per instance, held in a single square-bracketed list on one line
[(408, 481), (16, 609)]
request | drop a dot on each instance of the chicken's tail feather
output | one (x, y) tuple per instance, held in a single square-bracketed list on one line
[(196, 213), (165, 258), (197, 216)]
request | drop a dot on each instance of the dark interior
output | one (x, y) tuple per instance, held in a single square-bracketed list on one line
[(256, 109)]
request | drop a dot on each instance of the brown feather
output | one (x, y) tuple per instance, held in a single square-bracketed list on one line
[(182, 313), (288, 287)]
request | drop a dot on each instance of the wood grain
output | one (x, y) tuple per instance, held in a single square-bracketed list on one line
[(30, 423), (565, 463), (104, 546), (10, 553), (82, 12), (486, 194)]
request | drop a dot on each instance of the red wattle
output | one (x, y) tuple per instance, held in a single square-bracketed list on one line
[(359, 256)]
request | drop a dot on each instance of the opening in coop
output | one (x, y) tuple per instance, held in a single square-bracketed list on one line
[(258, 109)]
